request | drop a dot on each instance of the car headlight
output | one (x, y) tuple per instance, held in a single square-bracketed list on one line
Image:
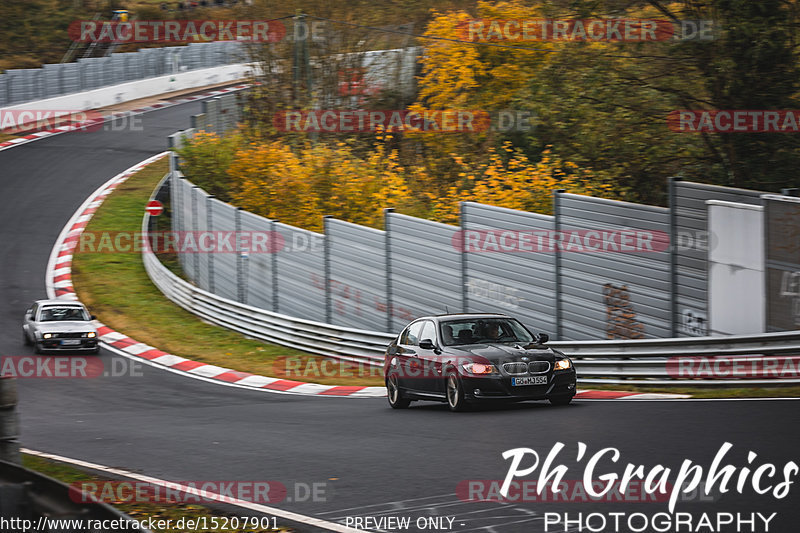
[(91, 334), (479, 369), (563, 364), (47, 336)]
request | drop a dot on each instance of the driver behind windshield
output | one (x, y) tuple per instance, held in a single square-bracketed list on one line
[(492, 331)]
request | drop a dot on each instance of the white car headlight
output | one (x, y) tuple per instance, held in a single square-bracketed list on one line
[(563, 364), (91, 334), (47, 336)]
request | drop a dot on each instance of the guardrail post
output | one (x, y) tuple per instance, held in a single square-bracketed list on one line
[(462, 217), (195, 227), (9, 423), (673, 255), (275, 299), (557, 228), (327, 270), (241, 258), (210, 227), (171, 146), (179, 214), (388, 247)]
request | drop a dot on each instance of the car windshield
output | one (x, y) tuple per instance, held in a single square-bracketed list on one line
[(482, 330), (53, 314)]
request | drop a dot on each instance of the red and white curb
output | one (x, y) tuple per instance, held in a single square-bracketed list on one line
[(114, 116), (58, 281)]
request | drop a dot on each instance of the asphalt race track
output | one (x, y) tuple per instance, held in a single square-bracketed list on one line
[(374, 462)]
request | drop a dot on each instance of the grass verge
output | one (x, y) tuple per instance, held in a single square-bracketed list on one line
[(117, 289), (139, 510)]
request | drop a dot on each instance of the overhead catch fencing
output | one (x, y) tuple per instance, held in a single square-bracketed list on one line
[(18, 86)]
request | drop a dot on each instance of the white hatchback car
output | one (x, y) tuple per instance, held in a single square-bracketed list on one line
[(60, 325)]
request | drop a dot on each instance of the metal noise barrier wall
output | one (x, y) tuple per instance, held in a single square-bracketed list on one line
[(356, 277), (691, 241), (219, 115), (424, 269), (639, 362), (521, 283), (782, 229), (617, 284), (299, 258), (222, 218), (24, 85), (256, 270), (337, 282), (624, 294), (257, 322)]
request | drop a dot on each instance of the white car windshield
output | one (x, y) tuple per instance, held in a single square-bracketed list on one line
[(53, 314)]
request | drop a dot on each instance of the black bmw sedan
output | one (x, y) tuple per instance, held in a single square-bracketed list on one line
[(462, 359)]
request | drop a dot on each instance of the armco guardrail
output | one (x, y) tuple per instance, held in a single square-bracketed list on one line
[(9, 422), (761, 360), (653, 362), (786, 342), (34, 502)]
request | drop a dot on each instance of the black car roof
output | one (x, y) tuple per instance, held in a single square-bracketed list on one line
[(441, 318)]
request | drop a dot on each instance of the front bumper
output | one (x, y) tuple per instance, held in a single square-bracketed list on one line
[(559, 384), (86, 344)]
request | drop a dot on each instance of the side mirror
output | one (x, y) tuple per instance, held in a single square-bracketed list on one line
[(542, 338), (426, 344), (93, 317)]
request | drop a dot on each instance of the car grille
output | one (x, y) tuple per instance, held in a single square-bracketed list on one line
[(539, 367), (69, 335), (515, 368)]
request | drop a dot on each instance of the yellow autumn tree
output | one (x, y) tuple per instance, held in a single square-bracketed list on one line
[(519, 184), (299, 187)]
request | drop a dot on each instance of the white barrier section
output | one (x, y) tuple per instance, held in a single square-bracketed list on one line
[(125, 92), (736, 283)]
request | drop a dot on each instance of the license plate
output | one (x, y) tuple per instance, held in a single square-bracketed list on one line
[(70, 342), (532, 380)]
